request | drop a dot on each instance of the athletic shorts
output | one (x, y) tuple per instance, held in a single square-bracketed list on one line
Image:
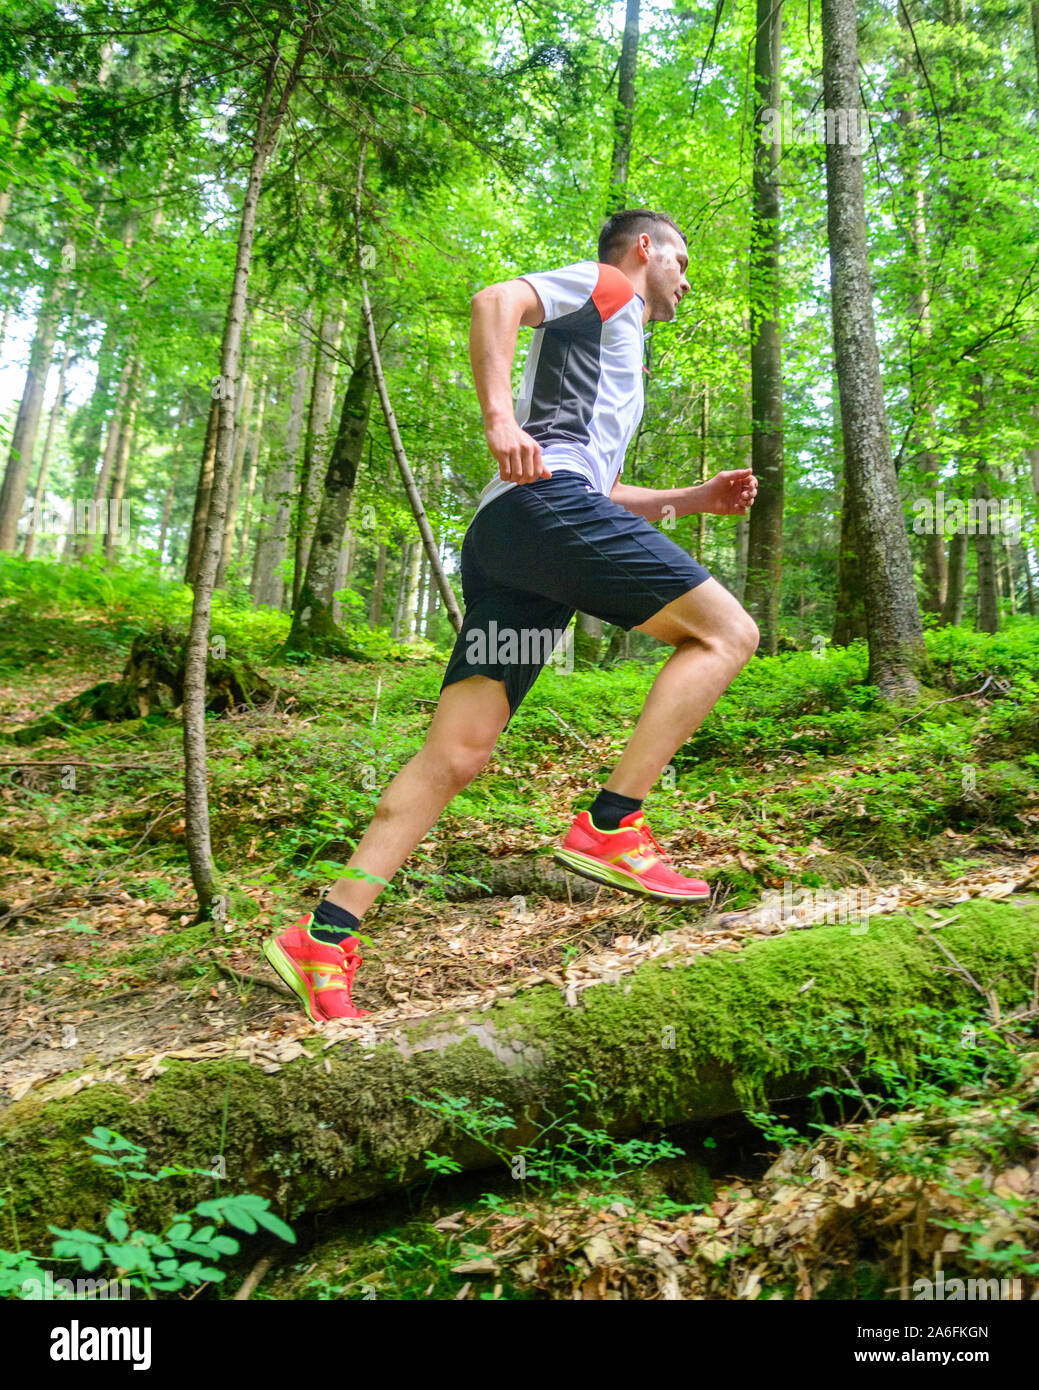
[(542, 551)]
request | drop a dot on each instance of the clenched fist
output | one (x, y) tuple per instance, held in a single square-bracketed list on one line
[(517, 455)]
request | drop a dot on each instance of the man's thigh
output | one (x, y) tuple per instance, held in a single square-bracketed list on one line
[(708, 613), (470, 713)]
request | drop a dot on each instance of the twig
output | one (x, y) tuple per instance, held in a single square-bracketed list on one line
[(969, 695), (245, 978), (862, 1093), (962, 969), (67, 762), (253, 1279), (568, 728)]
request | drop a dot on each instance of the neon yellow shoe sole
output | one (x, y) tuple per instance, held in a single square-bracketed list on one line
[(283, 966), (599, 872)]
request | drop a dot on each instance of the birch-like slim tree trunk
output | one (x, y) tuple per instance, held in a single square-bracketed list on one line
[(196, 791), (418, 510)]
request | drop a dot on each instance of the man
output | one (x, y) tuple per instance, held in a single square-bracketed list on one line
[(555, 532)]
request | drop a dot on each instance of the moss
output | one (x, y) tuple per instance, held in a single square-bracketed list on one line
[(312, 1138)]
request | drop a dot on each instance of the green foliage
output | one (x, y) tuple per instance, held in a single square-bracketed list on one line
[(183, 1255), (953, 1107), (566, 1150)]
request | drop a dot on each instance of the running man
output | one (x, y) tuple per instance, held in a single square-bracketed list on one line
[(556, 532)]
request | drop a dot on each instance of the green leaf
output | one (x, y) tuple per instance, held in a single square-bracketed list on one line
[(117, 1224), (275, 1225)]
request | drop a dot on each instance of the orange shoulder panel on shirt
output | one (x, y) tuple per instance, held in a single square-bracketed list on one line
[(612, 291)]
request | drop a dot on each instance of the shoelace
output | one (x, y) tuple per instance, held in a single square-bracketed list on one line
[(648, 841)]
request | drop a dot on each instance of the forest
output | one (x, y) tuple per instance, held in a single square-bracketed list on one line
[(240, 449)]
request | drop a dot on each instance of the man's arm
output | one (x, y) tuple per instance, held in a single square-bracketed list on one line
[(497, 315), (726, 494)]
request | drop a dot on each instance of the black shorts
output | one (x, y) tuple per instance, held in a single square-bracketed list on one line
[(539, 553)]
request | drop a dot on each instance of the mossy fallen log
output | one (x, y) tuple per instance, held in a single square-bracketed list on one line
[(152, 683), (675, 1040)]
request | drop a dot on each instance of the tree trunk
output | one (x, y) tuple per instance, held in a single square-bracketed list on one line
[(241, 442), (316, 443), (411, 592), (346, 551), (87, 539), (378, 588), (312, 618), (175, 468), (849, 619), (203, 490), (402, 580), (624, 111), (196, 817), (765, 537), (268, 585), (94, 417), (420, 596), (361, 1113), (253, 457), (952, 612), (588, 630), (403, 467), (57, 407), (894, 628), (921, 399), (431, 605), (27, 422), (122, 465)]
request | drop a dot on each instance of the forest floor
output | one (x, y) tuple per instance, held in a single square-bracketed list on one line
[(800, 780)]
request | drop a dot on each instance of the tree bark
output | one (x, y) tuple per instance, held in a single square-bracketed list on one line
[(987, 617), (241, 444), (765, 536), (122, 464), (316, 441), (660, 1046), (402, 580), (56, 409), (175, 468), (27, 422), (253, 456), (624, 111), (952, 611), (196, 818), (378, 587), (921, 397), (849, 621), (268, 585), (895, 631), (312, 618), (404, 468), (203, 489)]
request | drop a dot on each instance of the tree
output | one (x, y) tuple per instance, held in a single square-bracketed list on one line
[(271, 113), (894, 628), (765, 536)]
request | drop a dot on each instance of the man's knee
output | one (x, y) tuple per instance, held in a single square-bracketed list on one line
[(462, 762), (748, 637)]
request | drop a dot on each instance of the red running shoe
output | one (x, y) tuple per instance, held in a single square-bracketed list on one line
[(320, 973), (628, 858)]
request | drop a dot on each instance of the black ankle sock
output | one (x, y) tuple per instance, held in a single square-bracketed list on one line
[(333, 924), (608, 809)]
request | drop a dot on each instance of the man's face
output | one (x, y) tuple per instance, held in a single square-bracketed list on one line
[(666, 284)]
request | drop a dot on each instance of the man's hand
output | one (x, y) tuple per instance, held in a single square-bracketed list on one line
[(728, 494), (517, 455)]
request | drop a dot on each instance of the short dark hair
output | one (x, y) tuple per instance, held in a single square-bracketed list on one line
[(623, 227)]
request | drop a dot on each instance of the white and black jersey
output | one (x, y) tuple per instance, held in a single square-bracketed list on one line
[(581, 396)]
